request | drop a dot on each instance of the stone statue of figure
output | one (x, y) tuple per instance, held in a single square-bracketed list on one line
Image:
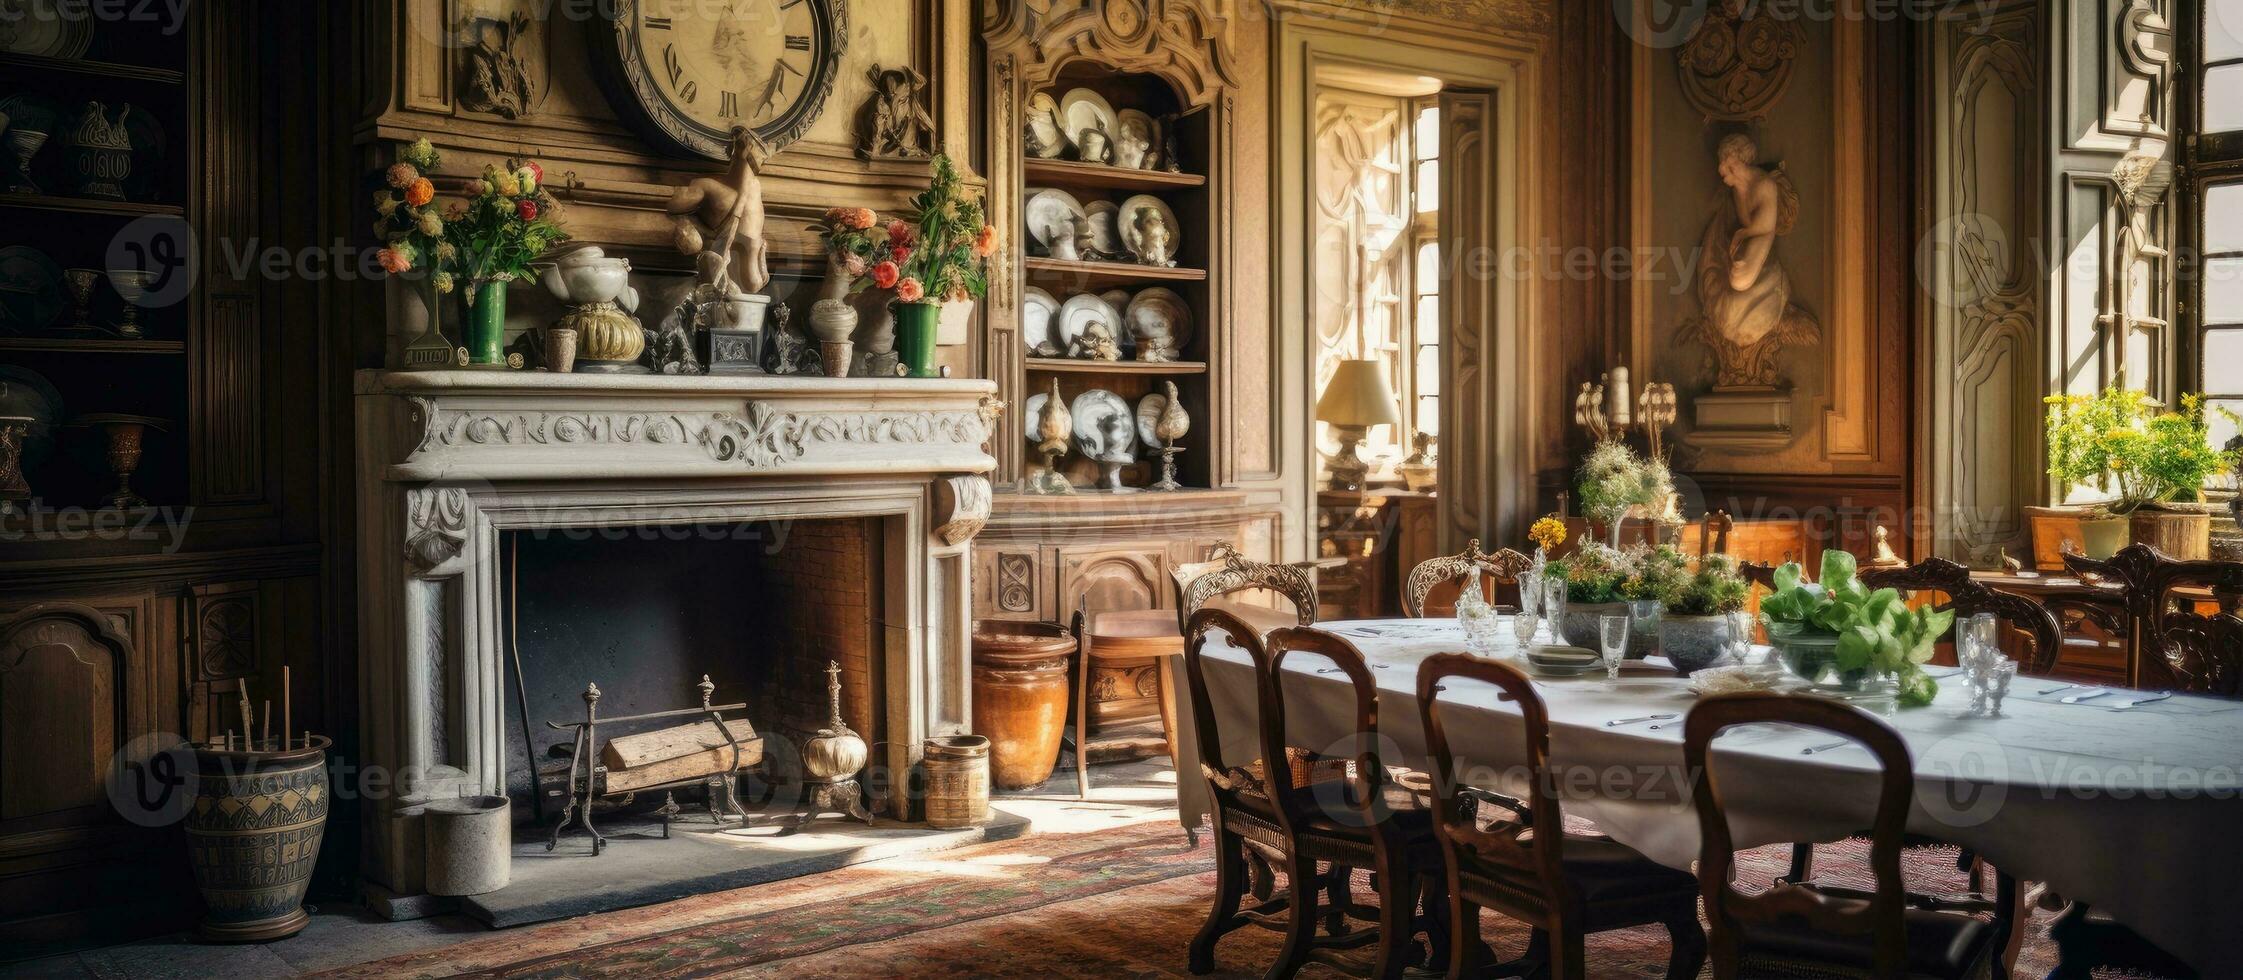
[(1153, 234), (1134, 148), (1744, 295), (714, 214)]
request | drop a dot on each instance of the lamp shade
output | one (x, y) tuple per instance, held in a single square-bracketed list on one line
[(1358, 394)]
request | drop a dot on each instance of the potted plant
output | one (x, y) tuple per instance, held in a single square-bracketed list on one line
[(1594, 575), (941, 260), (507, 222), (2150, 459), (1841, 636), (1645, 591), (1694, 624), (1615, 480)]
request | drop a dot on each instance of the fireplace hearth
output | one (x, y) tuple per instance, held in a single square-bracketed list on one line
[(880, 483)]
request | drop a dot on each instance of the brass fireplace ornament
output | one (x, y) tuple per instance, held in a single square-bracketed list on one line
[(832, 759)]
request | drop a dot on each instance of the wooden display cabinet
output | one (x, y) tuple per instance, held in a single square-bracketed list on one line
[(1040, 554)]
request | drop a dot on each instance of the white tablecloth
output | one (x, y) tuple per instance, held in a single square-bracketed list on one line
[(2138, 812)]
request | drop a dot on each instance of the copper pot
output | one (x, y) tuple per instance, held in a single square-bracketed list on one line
[(1020, 697)]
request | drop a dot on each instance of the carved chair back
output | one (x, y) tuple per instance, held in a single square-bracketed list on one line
[(1360, 799), (1969, 598), (1237, 574), (2167, 631), (1230, 786), (1504, 843), (1877, 918), (1439, 579), (1713, 533)]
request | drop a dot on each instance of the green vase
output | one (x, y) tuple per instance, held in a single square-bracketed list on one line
[(916, 325), (486, 323)]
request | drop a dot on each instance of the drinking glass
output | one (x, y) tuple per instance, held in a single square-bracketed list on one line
[(1530, 591), (1981, 631), (1523, 626), (1740, 637), (1612, 631), (1553, 608)]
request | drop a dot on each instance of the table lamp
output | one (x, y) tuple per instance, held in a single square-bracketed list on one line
[(1356, 398)]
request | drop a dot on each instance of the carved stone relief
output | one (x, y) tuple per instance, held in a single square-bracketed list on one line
[(1737, 61), (761, 436), (962, 507), (1016, 582), (436, 521), (498, 72), (894, 122)]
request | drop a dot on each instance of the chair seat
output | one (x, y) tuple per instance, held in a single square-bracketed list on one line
[(1603, 873), (1941, 945)]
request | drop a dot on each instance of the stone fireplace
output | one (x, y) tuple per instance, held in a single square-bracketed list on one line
[(880, 484)]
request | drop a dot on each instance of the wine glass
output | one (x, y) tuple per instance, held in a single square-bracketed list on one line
[(1612, 631), (1523, 626), (1739, 647)]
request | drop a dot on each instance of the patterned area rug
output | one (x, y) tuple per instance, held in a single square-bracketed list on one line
[(1120, 903)]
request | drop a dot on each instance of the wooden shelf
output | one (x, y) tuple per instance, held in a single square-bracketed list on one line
[(1075, 365), (1047, 270), (93, 345), (88, 205), (1075, 173), (99, 69)]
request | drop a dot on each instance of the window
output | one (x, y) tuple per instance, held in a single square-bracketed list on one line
[(2212, 160), (1376, 260)]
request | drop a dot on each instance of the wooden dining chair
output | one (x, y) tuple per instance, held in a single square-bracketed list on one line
[(2170, 637), (1356, 820), (1438, 582), (1244, 818), (1566, 886), (1794, 930), (1123, 638)]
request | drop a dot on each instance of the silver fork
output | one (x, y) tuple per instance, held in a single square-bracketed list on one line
[(1826, 746), (2083, 696)]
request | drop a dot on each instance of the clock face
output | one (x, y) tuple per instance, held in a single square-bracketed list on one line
[(692, 70)]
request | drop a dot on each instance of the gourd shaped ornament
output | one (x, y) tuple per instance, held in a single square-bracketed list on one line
[(836, 753)]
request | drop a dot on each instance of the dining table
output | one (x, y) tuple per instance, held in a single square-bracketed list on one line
[(2125, 800)]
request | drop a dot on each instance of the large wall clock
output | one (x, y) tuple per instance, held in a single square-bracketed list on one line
[(688, 71)]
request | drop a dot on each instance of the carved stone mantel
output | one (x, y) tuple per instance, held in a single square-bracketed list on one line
[(450, 461)]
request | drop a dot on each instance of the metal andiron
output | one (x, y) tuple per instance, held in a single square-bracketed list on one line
[(709, 753)]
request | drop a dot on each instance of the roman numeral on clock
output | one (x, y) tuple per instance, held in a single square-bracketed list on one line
[(729, 104), (798, 42), (658, 23)]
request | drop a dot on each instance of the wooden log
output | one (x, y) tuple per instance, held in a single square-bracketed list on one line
[(674, 754)]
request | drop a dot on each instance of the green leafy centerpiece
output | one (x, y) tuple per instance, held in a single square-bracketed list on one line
[(1842, 637)]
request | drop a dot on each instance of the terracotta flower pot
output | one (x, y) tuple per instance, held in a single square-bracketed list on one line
[(1020, 697)]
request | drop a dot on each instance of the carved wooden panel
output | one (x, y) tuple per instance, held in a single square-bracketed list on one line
[(1981, 271), (1478, 430), (222, 630), (1116, 577), (62, 709), (228, 434)]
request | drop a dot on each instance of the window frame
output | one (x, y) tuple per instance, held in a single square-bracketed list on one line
[(2204, 161)]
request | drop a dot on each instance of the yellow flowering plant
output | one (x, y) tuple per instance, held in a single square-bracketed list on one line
[(1547, 533)]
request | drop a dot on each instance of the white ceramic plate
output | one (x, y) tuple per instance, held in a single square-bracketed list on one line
[(1156, 307), (1148, 157), (38, 27), (1047, 206), (1078, 312), (1129, 231), (1105, 230), (1038, 311), (1081, 109), (1041, 108), (1034, 414), (1092, 408)]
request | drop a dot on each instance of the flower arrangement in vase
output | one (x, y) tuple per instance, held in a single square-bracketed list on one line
[(944, 258), (1693, 625), (507, 223), (414, 254), (1614, 480), (851, 250), (2118, 439)]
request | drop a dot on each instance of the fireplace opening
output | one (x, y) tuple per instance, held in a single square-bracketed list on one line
[(645, 612)]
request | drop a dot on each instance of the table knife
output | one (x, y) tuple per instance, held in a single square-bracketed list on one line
[(2138, 702), (2059, 687), (1617, 722), (2084, 696), (1826, 746)]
